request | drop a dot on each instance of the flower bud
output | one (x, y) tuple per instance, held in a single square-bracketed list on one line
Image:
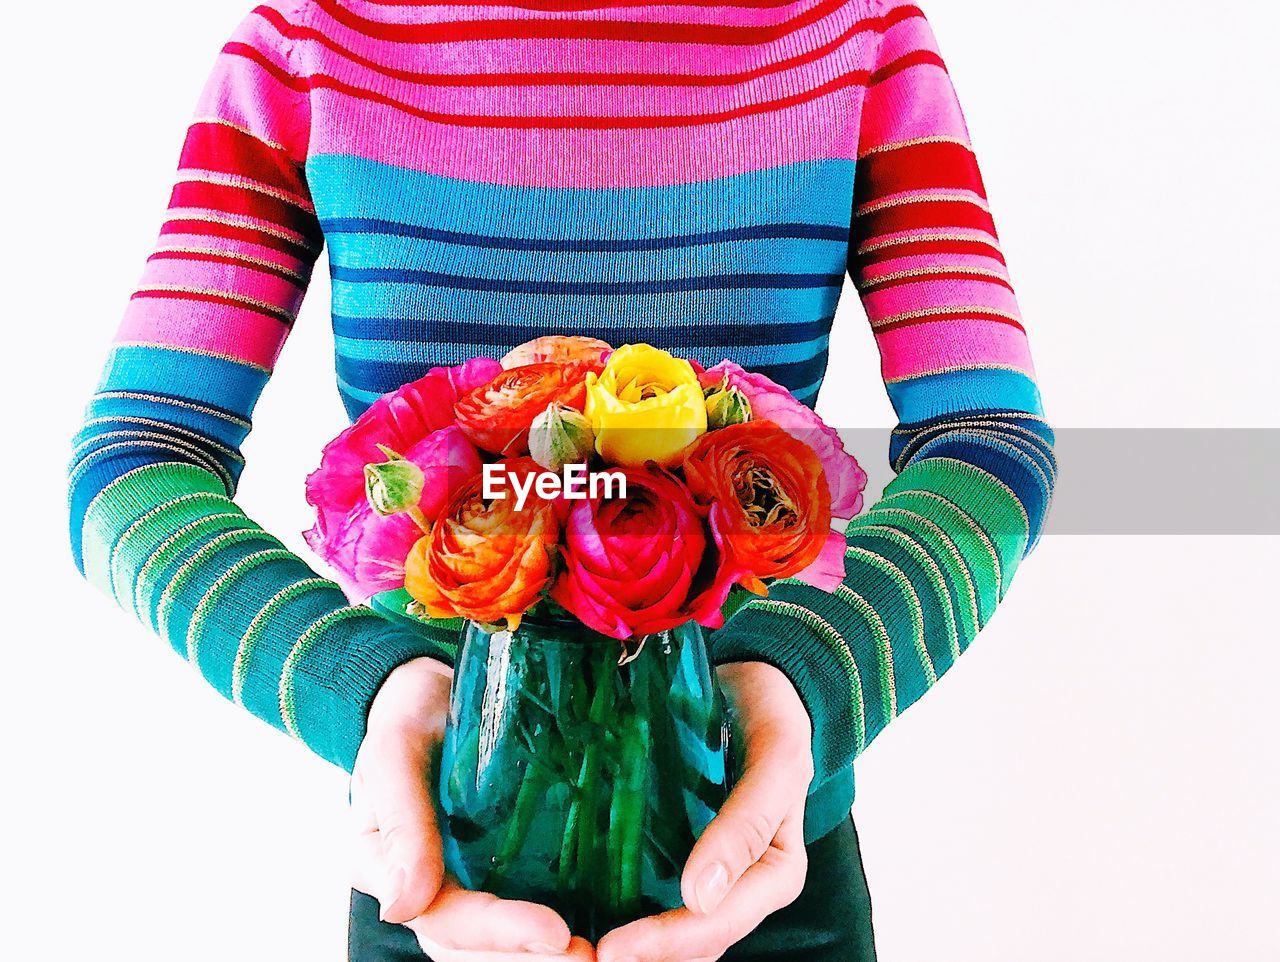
[(560, 435), (393, 487), (725, 406)]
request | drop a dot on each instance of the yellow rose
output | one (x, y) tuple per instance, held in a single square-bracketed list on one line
[(645, 406)]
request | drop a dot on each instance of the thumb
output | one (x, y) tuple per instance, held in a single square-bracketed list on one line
[(739, 836)]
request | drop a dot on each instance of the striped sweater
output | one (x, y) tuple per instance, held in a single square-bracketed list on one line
[(698, 177)]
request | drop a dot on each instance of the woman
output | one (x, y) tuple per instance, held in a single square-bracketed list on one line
[(695, 177)]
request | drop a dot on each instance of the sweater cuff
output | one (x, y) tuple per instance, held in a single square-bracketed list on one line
[(805, 649), (330, 688)]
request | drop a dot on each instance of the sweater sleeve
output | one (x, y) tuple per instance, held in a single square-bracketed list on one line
[(156, 463), (927, 564)]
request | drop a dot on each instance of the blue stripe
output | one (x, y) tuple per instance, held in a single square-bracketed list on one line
[(737, 257), (961, 391), (681, 336), (427, 352), (391, 228), (809, 192), (218, 382), (627, 318), (404, 275)]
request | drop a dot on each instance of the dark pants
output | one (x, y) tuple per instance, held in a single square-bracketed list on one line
[(830, 922)]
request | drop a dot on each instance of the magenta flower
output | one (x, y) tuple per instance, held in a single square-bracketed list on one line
[(770, 401), (367, 551), (644, 563)]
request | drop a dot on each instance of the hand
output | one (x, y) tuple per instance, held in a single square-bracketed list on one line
[(751, 860), (398, 852)]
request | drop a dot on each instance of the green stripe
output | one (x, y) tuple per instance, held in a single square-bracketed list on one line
[(139, 540), (942, 549), (189, 568), (915, 610), (884, 649), (171, 549), (244, 650), (195, 627)]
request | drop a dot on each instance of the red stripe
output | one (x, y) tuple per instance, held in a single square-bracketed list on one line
[(274, 313), (230, 259), (250, 203), (924, 166), (322, 81), (914, 248), (871, 287), (558, 6), (218, 147), (571, 78), (203, 228), (926, 214), (950, 316), (553, 29), (917, 58)]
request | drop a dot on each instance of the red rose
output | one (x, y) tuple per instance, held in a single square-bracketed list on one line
[(643, 563)]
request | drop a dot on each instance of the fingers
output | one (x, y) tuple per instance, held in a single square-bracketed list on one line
[(477, 922), (399, 850), (736, 838), (773, 882), (776, 779)]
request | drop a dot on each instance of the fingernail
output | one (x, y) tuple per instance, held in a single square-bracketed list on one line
[(543, 948), (710, 888), (390, 892)]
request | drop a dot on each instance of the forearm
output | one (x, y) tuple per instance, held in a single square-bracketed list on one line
[(927, 564), (152, 520)]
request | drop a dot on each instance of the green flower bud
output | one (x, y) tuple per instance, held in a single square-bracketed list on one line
[(559, 436), (394, 486), (725, 406)]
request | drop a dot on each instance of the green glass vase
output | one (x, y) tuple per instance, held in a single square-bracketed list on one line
[(578, 771)]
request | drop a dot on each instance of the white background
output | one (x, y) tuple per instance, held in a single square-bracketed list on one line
[(1097, 780)]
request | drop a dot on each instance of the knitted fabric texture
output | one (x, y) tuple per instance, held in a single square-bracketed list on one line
[(700, 178)]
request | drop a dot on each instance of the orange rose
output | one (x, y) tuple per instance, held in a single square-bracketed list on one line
[(485, 560), (767, 499), (497, 415), (558, 349)]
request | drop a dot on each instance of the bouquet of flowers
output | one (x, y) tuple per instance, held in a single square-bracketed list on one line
[(583, 511)]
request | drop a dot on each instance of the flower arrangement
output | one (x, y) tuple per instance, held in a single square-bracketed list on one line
[(729, 484), (586, 511)]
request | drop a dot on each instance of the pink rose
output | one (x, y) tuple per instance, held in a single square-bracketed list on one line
[(366, 550), (363, 548), (770, 401), (398, 420), (641, 564)]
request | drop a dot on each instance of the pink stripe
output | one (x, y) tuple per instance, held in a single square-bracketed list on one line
[(602, 101), (228, 278), (934, 293), (214, 328), (920, 348), (557, 55), (604, 158), (647, 13), (919, 261), (245, 95)]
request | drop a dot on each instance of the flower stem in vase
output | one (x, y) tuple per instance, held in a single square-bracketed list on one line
[(531, 790)]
